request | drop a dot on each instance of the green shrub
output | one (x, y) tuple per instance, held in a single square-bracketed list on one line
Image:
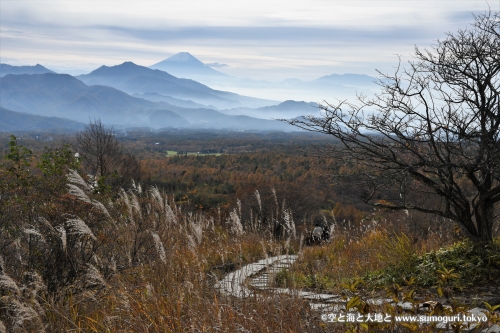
[(473, 264)]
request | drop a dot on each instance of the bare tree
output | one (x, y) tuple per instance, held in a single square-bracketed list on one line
[(100, 152), (103, 156), (430, 140)]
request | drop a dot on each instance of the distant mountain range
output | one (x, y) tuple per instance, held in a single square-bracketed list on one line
[(329, 87), (132, 78), (11, 121), (37, 69), (61, 95), (131, 95)]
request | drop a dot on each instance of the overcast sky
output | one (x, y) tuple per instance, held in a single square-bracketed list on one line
[(261, 39)]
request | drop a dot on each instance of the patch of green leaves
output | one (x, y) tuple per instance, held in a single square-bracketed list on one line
[(460, 265)]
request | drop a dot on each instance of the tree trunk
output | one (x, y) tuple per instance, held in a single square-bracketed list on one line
[(484, 221)]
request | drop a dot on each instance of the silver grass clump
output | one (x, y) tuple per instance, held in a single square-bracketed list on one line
[(17, 247), (155, 193), (74, 178), (276, 202), (8, 286), (32, 232), (171, 218), (257, 196), (78, 193), (43, 221), (93, 278), (252, 222), (289, 223), (159, 246), (126, 200), (332, 229), (191, 243), (325, 221), (95, 258), (21, 316), (135, 204), (275, 196), (197, 231), (238, 203), (136, 187), (235, 223), (79, 228), (102, 208), (62, 236)]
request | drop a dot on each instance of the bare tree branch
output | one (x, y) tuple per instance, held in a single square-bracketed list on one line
[(430, 140)]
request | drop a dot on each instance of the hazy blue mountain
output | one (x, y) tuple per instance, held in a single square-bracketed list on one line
[(12, 121), (132, 78), (154, 97), (285, 110), (184, 65), (61, 95), (17, 70), (330, 87)]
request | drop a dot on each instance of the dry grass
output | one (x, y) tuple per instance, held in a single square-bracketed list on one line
[(135, 262), (178, 296), (355, 251)]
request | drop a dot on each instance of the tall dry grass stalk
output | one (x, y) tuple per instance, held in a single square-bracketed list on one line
[(135, 262)]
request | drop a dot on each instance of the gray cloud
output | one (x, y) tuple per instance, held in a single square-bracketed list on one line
[(272, 34), (285, 44)]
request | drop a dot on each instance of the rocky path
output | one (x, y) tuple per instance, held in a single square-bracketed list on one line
[(256, 280)]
